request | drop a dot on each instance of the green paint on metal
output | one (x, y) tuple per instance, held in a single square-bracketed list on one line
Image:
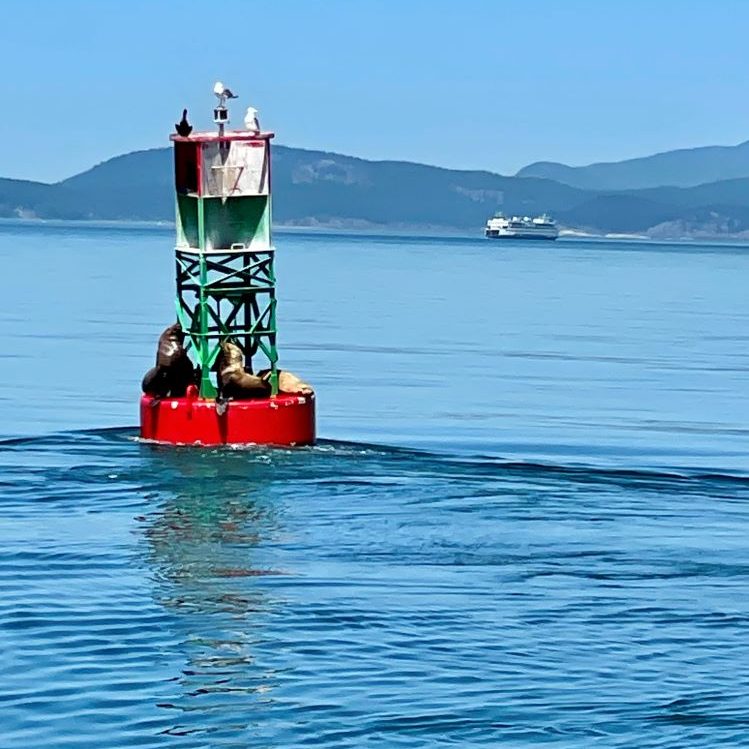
[(235, 221), (207, 388), (187, 221), (226, 283)]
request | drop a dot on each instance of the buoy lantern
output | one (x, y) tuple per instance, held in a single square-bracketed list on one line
[(217, 379)]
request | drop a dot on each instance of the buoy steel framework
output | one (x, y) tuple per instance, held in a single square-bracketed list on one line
[(226, 288)]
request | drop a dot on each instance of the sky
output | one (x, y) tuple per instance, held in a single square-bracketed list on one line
[(473, 84)]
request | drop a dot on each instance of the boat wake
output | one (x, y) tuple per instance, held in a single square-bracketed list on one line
[(123, 443)]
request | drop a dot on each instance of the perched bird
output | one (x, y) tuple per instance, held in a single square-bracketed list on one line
[(183, 127), (251, 121), (223, 93)]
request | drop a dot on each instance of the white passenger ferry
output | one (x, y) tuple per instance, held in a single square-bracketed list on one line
[(541, 227)]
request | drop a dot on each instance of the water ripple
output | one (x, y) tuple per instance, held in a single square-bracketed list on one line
[(353, 594)]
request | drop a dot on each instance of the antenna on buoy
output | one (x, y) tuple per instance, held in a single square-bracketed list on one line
[(221, 113)]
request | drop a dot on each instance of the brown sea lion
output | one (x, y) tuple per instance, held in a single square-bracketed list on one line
[(289, 383), (233, 380), (174, 370), (236, 382)]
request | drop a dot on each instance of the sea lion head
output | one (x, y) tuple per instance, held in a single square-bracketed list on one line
[(232, 354), (174, 332), (170, 346)]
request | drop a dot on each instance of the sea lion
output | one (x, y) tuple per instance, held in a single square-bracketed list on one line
[(289, 383), (174, 370), (233, 380), (236, 382)]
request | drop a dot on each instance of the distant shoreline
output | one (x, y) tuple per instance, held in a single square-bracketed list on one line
[(336, 228)]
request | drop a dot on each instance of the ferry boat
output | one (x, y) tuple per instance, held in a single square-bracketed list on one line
[(540, 227)]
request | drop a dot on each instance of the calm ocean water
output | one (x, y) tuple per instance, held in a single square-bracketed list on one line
[(527, 521)]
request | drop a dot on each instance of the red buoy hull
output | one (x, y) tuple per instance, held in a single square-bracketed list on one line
[(283, 420)]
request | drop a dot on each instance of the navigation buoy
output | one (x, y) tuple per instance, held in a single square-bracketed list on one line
[(226, 293)]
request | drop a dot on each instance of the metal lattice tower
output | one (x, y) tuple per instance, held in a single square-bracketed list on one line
[(226, 286)]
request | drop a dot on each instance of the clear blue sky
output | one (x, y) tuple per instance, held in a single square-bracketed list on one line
[(469, 84)]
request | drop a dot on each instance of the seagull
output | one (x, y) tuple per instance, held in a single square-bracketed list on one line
[(223, 93), (251, 121), (183, 127)]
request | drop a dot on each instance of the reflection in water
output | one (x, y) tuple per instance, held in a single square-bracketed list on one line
[(203, 549), (347, 596)]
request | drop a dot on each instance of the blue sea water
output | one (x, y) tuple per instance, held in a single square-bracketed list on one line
[(525, 524)]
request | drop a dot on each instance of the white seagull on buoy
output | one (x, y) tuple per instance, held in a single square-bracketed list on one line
[(250, 120), (223, 93)]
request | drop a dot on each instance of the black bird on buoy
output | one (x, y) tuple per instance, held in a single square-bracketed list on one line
[(183, 127)]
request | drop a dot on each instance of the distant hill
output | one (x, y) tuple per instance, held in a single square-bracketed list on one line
[(724, 192), (714, 209), (317, 188), (135, 186), (24, 198), (685, 167)]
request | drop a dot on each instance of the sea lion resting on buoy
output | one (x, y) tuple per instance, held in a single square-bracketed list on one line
[(173, 371), (289, 383), (236, 382), (233, 380)]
